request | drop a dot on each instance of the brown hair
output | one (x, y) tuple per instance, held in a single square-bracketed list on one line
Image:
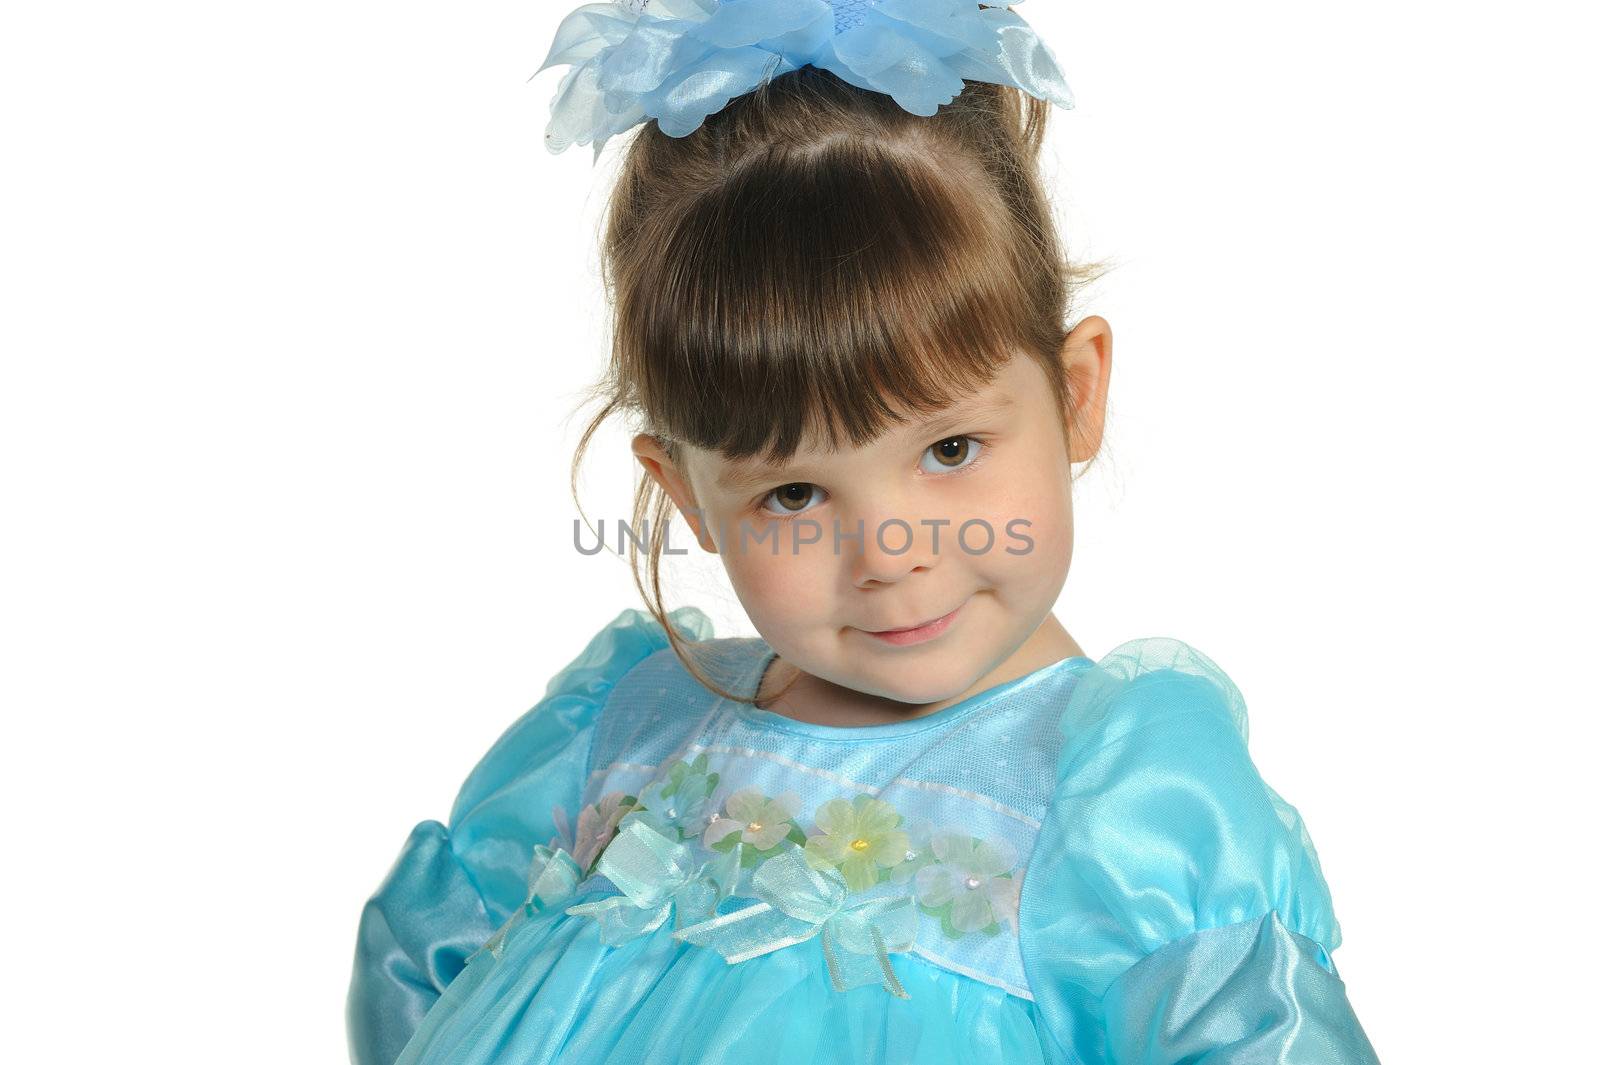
[(816, 261)]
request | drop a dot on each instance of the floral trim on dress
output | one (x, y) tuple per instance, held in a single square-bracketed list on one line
[(675, 853)]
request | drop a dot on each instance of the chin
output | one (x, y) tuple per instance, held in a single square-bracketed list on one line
[(925, 688)]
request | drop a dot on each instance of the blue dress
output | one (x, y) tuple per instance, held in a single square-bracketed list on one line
[(1080, 865)]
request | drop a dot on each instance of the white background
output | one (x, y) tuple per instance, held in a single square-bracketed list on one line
[(295, 304)]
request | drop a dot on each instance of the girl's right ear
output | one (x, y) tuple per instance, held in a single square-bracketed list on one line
[(652, 455)]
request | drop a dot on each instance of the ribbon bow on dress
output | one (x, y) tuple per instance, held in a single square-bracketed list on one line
[(799, 901), (553, 875), (657, 877)]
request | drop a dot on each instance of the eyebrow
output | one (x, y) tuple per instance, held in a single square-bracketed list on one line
[(948, 420)]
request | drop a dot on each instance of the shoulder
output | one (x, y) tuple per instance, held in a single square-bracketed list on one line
[(525, 788), (660, 704), (1153, 683), (564, 718), (1161, 825)]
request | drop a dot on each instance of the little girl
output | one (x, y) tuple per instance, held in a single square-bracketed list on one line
[(912, 821)]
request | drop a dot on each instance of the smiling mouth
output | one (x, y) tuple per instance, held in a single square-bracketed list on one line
[(879, 632), (917, 634), (910, 628)]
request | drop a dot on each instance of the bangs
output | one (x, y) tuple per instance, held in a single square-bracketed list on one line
[(826, 295)]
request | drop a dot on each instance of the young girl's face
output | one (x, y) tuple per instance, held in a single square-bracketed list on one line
[(964, 516)]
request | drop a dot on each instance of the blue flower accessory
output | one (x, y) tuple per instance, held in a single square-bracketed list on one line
[(799, 901), (678, 61), (679, 806)]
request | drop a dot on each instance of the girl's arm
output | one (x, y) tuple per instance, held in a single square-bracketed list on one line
[(452, 886), (416, 933), (1244, 993), (1175, 909)]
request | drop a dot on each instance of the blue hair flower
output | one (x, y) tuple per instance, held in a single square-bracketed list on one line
[(678, 61)]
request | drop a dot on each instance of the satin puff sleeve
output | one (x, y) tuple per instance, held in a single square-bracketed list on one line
[(452, 885), (1175, 909)]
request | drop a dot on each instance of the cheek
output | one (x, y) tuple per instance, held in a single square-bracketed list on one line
[(774, 587), (1031, 515)]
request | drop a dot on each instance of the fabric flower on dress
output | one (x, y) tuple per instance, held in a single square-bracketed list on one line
[(758, 821), (680, 805), (597, 823), (860, 837), (919, 854), (969, 886)]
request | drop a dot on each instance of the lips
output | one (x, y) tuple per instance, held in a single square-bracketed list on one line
[(928, 630), (908, 628)]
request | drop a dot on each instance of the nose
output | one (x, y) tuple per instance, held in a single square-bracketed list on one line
[(890, 548)]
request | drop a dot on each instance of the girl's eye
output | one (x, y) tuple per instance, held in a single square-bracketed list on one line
[(791, 499), (951, 454), (947, 456)]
